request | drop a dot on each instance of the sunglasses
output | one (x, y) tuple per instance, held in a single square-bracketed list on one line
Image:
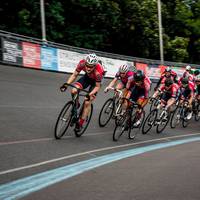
[(90, 67)]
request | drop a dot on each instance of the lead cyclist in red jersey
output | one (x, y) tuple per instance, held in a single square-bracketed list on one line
[(92, 79)]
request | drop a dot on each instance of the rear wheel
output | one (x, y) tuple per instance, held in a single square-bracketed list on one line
[(106, 112), (63, 120), (86, 123)]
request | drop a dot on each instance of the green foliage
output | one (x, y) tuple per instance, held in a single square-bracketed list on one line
[(127, 27)]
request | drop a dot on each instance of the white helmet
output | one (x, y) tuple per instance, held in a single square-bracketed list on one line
[(123, 68), (91, 59), (197, 78), (188, 68)]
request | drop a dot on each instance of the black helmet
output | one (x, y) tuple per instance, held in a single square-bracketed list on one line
[(196, 72), (139, 76), (185, 81), (168, 82)]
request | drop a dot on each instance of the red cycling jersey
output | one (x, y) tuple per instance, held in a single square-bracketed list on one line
[(96, 74), (188, 75), (172, 91), (146, 84), (190, 89), (163, 77)]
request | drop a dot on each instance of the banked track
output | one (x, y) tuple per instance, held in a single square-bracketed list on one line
[(29, 104)]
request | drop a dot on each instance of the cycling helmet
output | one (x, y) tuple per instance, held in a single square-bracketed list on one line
[(185, 81), (91, 59), (196, 72), (188, 68), (168, 82), (139, 76), (197, 78), (123, 68), (168, 69)]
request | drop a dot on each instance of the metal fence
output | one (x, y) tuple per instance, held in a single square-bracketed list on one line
[(17, 37)]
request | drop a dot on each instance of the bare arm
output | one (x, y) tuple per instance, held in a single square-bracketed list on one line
[(96, 89), (112, 83), (73, 77)]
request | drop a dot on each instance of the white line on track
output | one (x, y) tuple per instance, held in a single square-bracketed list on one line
[(48, 139), (29, 107), (91, 152)]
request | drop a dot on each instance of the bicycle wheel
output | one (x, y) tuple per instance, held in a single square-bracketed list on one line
[(133, 133), (176, 117), (154, 104), (121, 128), (63, 120), (106, 112), (185, 121), (149, 121), (163, 121), (197, 113), (86, 123)]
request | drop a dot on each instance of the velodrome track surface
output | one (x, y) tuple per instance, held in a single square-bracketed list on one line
[(29, 104)]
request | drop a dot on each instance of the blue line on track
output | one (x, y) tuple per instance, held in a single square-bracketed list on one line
[(25, 186)]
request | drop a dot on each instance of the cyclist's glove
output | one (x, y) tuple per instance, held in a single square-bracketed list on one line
[(87, 97), (155, 88), (63, 88)]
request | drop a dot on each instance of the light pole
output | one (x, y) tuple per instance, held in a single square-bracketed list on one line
[(43, 21), (160, 32)]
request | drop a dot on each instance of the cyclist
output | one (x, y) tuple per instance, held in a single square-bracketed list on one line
[(187, 74), (169, 94), (124, 76), (168, 73), (92, 79), (187, 93), (197, 82), (139, 92)]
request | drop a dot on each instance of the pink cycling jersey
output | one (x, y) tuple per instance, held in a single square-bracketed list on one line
[(96, 74), (129, 76)]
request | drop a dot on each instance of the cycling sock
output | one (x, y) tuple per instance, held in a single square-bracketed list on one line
[(81, 121)]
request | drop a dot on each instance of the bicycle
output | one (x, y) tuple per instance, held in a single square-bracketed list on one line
[(180, 114), (70, 114), (154, 102), (111, 108), (158, 117), (127, 121)]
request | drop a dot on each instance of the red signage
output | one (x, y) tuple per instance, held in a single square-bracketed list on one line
[(31, 55)]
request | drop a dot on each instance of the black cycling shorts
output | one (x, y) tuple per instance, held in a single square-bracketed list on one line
[(137, 93), (86, 82)]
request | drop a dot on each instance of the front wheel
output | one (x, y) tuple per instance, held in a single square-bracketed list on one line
[(176, 118), (106, 112), (149, 121), (124, 126), (63, 120), (86, 123), (162, 121), (197, 113)]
